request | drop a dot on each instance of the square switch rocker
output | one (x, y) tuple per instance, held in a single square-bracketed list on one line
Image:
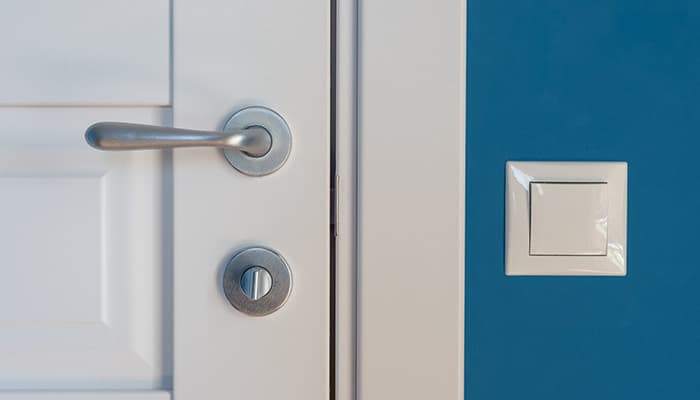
[(566, 218)]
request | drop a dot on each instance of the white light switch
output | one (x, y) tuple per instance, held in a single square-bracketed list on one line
[(568, 219)]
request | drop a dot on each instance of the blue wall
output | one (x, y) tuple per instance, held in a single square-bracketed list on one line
[(586, 80)]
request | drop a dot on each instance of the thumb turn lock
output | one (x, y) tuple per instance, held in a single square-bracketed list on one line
[(257, 281)]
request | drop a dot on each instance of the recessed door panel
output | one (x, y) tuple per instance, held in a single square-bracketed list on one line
[(84, 292)]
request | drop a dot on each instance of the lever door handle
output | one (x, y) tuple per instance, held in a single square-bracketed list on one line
[(255, 140)]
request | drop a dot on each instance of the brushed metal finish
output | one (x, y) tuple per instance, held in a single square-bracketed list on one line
[(278, 129), (256, 282), (235, 280), (255, 140), (124, 136)]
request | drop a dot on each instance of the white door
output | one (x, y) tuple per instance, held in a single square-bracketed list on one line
[(113, 263)]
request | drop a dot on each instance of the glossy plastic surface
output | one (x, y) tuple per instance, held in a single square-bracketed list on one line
[(566, 218)]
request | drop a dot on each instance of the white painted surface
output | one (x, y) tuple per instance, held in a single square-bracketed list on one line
[(85, 52), (85, 294), (346, 171), (82, 297), (569, 219), (566, 219), (228, 55), (121, 395), (411, 199), (85, 289)]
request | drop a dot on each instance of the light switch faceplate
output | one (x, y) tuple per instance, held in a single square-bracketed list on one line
[(566, 218)]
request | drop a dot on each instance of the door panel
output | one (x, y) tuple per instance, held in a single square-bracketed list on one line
[(90, 242), (268, 53), (82, 297), (85, 52)]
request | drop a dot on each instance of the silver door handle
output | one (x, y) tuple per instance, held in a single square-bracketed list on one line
[(255, 140)]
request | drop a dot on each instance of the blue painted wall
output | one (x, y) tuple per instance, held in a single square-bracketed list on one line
[(586, 80)]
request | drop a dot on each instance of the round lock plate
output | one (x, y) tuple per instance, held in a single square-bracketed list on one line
[(257, 281), (279, 132)]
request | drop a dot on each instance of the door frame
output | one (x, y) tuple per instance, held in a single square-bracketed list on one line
[(400, 149)]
